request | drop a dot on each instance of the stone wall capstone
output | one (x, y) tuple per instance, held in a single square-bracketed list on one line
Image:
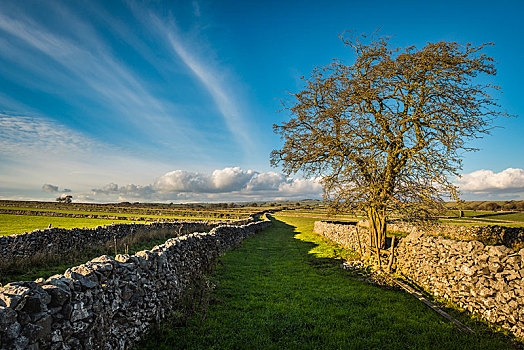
[(109, 303), (487, 280)]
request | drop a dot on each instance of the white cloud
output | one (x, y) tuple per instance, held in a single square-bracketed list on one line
[(301, 186), (183, 181), (231, 179), (487, 181), (269, 181), (228, 184), (219, 181)]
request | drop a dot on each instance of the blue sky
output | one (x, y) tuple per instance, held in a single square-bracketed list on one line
[(175, 100)]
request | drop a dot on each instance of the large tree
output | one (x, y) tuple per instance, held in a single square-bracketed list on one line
[(386, 133)]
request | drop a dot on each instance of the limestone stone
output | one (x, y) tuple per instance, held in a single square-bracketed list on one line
[(7, 316), (58, 295), (12, 331), (458, 263), (106, 303)]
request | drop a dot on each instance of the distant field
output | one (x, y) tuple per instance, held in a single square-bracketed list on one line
[(510, 217), (488, 218), (11, 224), (129, 215), (509, 220), (470, 213), (319, 213), (481, 223), (161, 213)]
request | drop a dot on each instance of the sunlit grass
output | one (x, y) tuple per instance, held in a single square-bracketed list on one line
[(11, 224), (284, 289), (125, 214)]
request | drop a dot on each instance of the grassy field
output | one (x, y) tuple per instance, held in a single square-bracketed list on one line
[(284, 289), (509, 217), (320, 214), (10, 224), (13, 224), (488, 218), (198, 214)]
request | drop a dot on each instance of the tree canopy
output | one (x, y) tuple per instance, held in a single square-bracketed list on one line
[(387, 132)]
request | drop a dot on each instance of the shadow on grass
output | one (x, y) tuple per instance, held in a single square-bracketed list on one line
[(283, 289)]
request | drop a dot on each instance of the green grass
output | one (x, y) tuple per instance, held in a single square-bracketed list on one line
[(11, 224), (283, 289), (470, 213), (510, 217)]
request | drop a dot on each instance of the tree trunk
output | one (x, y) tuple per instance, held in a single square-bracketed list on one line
[(377, 227)]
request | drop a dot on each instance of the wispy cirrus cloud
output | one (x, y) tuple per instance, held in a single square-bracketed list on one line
[(206, 71), (86, 66), (26, 136)]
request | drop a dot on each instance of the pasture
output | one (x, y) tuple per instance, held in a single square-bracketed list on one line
[(45, 266), (14, 224), (39, 215)]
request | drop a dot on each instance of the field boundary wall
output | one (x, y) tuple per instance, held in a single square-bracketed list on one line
[(59, 241), (110, 303), (487, 280)]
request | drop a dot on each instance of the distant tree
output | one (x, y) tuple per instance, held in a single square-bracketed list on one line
[(387, 132), (491, 206), (65, 198), (510, 205)]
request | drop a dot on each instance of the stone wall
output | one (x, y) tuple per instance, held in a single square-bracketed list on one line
[(511, 237), (347, 234), (487, 280), (57, 241), (110, 303)]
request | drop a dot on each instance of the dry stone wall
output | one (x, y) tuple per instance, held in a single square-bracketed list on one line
[(485, 279), (511, 237), (347, 234), (109, 303), (60, 241)]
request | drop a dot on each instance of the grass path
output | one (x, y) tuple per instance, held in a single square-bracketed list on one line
[(282, 289)]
